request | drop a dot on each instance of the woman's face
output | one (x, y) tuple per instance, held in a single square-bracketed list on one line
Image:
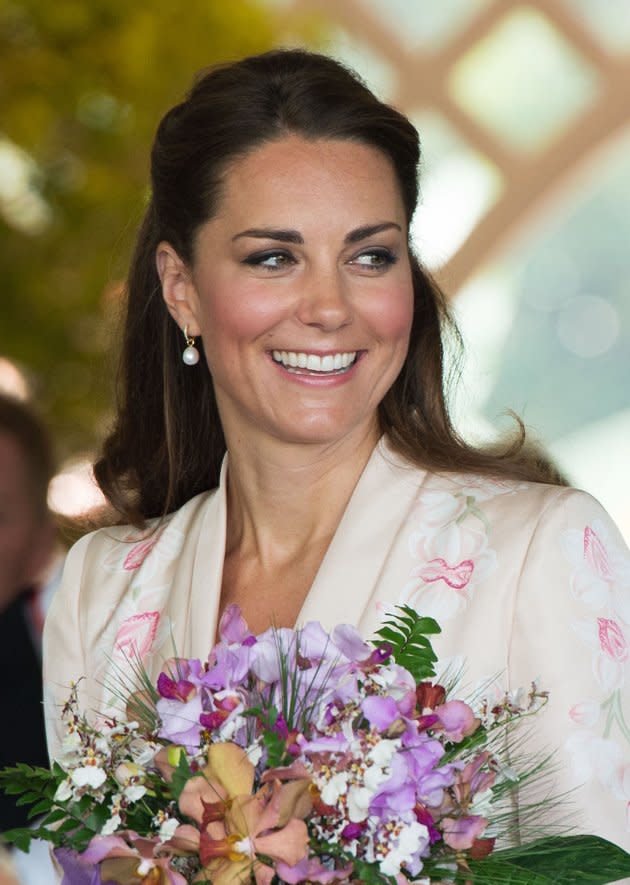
[(301, 290)]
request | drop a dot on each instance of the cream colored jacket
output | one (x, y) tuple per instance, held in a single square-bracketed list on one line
[(528, 581)]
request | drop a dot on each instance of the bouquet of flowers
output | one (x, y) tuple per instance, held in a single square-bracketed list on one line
[(298, 756)]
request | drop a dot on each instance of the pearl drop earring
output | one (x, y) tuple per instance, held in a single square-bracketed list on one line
[(190, 356)]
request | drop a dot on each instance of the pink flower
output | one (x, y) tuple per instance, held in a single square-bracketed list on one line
[(139, 553), (457, 720), (456, 576), (119, 862), (235, 826), (585, 713), (136, 634), (461, 832), (311, 870), (595, 554), (612, 641)]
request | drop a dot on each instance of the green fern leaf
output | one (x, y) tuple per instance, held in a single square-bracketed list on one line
[(407, 634)]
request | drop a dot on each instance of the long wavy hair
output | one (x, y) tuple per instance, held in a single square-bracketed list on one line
[(167, 444)]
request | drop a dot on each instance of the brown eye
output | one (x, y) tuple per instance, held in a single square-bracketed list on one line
[(272, 259), (375, 259)]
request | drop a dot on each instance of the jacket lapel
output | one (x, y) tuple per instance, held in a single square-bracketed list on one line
[(346, 587)]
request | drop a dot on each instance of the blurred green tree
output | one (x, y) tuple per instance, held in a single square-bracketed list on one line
[(82, 87)]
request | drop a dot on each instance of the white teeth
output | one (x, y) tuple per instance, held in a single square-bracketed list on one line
[(328, 363), (313, 362)]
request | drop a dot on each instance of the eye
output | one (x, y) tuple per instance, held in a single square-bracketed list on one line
[(272, 259), (375, 259)]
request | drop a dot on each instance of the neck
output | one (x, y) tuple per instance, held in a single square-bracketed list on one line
[(283, 499)]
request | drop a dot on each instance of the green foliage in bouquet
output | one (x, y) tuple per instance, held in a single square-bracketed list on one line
[(407, 634), (64, 823), (561, 860)]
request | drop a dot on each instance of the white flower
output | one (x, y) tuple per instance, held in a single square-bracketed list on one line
[(111, 825), (88, 776), (231, 726), (390, 865), (411, 837), (142, 752), (134, 792), (254, 753), (358, 803), (102, 745), (334, 788), (71, 742), (125, 771), (374, 777), (411, 840), (167, 828), (382, 752), (64, 791), (71, 749)]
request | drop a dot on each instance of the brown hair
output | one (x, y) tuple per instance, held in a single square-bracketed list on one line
[(168, 443), (31, 438)]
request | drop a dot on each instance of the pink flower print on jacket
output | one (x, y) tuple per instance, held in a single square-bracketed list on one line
[(453, 560), (612, 641), (601, 570), (456, 576), (610, 651), (139, 553), (135, 636), (147, 554)]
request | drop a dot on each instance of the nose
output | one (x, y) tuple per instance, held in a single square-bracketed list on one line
[(325, 301)]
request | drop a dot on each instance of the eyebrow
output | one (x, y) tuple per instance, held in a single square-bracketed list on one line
[(292, 236)]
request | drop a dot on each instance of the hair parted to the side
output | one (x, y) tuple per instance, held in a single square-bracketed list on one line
[(168, 444)]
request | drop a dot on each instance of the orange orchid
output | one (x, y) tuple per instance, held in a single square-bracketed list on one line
[(236, 825)]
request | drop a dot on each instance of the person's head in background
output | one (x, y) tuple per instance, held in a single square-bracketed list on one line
[(26, 529)]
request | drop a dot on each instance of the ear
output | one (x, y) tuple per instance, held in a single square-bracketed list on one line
[(178, 290)]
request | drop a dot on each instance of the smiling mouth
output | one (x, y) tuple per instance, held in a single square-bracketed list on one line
[(330, 364)]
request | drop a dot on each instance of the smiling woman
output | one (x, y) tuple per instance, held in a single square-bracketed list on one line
[(305, 466)]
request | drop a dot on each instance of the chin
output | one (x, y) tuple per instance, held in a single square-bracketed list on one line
[(325, 432)]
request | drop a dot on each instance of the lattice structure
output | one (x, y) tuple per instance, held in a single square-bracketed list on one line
[(531, 173)]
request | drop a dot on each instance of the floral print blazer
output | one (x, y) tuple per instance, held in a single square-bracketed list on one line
[(528, 581)]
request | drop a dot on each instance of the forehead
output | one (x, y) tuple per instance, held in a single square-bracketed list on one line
[(298, 176)]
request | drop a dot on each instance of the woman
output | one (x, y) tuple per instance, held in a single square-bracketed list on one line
[(276, 241)]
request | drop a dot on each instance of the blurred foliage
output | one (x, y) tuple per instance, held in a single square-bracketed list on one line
[(82, 87)]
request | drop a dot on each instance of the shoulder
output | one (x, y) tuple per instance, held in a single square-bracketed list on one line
[(519, 519), (526, 503), (135, 544), (115, 554)]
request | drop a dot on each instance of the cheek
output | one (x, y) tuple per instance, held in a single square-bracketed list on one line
[(391, 315), (239, 315)]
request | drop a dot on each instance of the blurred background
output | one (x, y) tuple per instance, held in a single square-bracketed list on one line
[(524, 114)]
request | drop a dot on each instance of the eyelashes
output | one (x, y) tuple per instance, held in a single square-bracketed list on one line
[(372, 259), (375, 259), (273, 259)]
